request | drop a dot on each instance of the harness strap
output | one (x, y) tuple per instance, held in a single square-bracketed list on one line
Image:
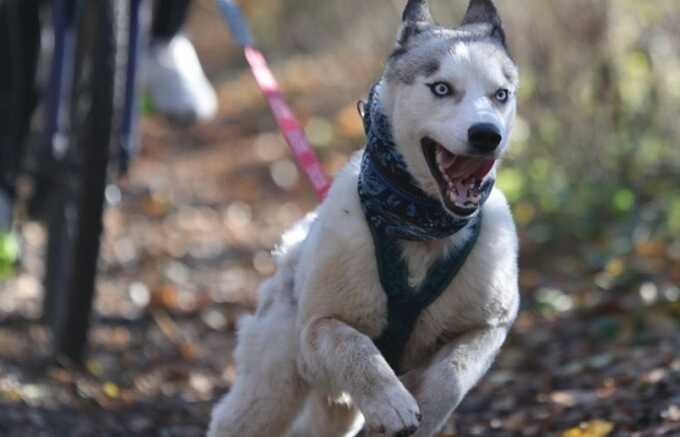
[(406, 303)]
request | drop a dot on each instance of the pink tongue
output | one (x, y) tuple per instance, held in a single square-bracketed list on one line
[(465, 167), (484, 168)]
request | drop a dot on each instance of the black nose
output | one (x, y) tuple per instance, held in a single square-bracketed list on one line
[(484, 137)]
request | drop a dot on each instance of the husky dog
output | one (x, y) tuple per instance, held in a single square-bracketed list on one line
[(392, 299)]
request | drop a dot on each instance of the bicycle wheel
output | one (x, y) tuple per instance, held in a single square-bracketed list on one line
[(76, 209), (19, 36)]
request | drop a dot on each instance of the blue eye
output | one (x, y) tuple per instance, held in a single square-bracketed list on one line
[(441, 89), (502, 95)]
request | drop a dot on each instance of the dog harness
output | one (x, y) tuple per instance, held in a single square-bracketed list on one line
[(397, 209)]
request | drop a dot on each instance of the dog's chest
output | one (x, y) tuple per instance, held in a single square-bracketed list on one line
[(420, 257)]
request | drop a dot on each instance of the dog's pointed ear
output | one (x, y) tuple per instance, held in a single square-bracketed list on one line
[(417, 11), (415, 19), (481, 11), (485, 12)]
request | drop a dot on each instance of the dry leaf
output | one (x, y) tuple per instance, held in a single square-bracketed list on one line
[(594, 428), (111, 390)]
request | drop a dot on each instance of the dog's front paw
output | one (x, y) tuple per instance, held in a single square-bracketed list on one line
[(393, 414)]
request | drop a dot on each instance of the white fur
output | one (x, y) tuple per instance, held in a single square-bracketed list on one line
[(306, 364)]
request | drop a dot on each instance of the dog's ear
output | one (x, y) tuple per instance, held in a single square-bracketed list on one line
[(417, 11), (485, 12), (416, 18)]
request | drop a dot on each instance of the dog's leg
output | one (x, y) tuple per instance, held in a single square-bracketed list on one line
[(248, 413), (268, 391), (339, 357), (327, 417), (454, 371)]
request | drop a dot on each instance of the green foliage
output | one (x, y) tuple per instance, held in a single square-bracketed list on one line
[(674, 215), (600, 159), (9, 252)]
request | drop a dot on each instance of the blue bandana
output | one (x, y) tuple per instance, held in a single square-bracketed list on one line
[(392, 201)]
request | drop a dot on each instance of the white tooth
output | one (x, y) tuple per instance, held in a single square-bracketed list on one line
[(460, 188), (440, 157)]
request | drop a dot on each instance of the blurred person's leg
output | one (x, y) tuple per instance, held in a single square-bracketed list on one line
[(19, 46), (175, 79)]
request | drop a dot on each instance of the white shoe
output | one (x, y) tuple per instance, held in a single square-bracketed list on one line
[(177, 83)]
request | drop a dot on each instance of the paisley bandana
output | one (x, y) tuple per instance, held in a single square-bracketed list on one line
[(393, 203)]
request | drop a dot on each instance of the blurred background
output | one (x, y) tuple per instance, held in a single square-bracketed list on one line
[(593, 177)]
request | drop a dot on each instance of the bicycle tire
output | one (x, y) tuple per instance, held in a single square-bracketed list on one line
[(18, 43), (75, 220)]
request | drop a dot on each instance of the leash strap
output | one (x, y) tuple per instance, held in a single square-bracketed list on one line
[(290, 127)]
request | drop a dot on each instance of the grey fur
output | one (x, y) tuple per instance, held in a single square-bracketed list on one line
[(485, 12), (481, 11), (417, 11), (420, 40), (407, 63), (406, 66), (416, 19), (431, 68)]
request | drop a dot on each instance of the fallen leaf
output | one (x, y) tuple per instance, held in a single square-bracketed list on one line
[(594, 428), (111, 390)]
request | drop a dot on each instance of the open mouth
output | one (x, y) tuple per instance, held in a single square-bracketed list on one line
[(459, 177)]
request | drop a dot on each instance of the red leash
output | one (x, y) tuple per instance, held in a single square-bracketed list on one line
[(290, 127)]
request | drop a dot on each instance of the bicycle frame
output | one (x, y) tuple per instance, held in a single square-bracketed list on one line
[(60, 84), (61, 77), (128, 130)]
